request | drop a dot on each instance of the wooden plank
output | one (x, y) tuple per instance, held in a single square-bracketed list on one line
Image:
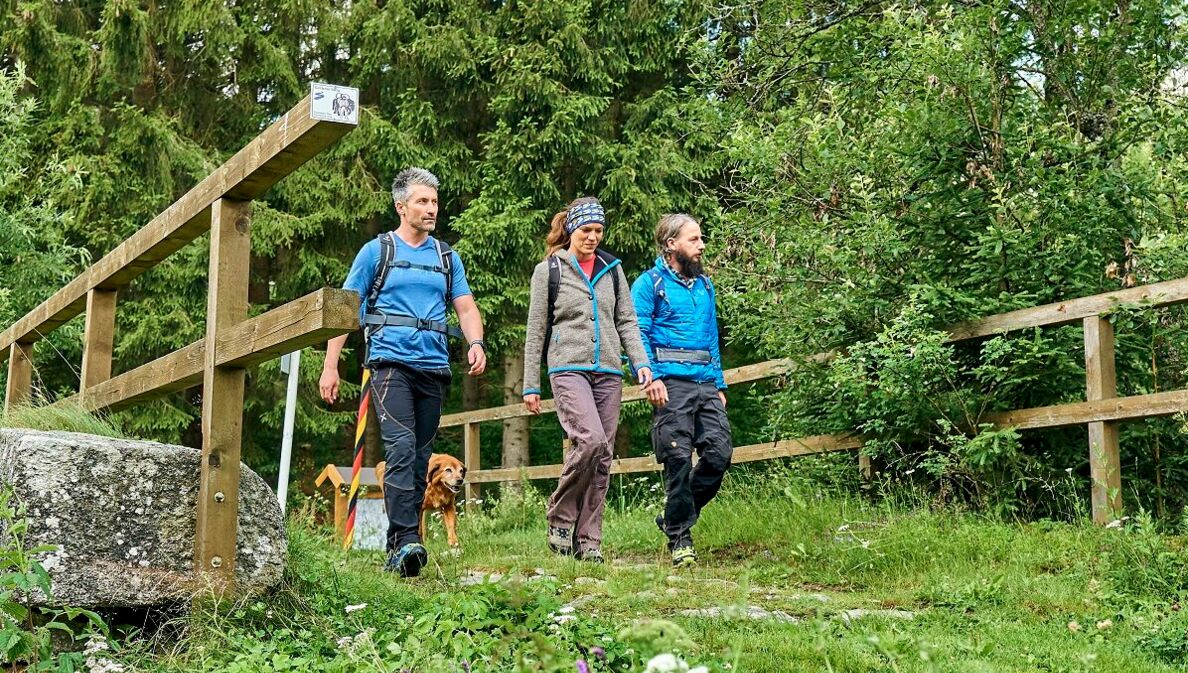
[(19, 388), (1105, 468), (98, 339), (341, 505), (215, 546), (1074, 310), (307, 321), (746, 374), (472, 458), (277, 151), (744, 454), (1080, 413)]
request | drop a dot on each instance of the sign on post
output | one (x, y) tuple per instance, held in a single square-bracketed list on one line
[(333, 103)]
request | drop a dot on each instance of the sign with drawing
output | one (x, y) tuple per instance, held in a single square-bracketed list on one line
[(332, 103)]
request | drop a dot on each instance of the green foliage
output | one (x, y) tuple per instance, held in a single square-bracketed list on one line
[(31, 637), (900, 169)]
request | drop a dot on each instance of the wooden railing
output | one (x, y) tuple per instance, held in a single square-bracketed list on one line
[(1101, 412), (221, 204)]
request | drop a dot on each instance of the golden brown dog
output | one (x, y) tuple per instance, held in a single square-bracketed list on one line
[(443, 482)]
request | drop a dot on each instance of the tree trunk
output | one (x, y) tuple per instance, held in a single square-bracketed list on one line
[(515, 430), (472, 397), (623, 442)]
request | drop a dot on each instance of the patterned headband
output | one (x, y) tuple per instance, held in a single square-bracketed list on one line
[(581, 215)]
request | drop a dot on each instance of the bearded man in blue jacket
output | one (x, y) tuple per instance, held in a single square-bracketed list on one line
[(678, 320)]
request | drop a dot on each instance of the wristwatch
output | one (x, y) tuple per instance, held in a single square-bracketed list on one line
[(480, 343)]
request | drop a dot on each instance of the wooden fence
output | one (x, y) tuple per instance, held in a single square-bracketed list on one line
[(221, 204), (1101, 411)]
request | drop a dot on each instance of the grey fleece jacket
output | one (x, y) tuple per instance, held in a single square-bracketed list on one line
[(590, 328)]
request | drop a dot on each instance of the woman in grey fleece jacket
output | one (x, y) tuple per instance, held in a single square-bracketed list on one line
[(593, 322)]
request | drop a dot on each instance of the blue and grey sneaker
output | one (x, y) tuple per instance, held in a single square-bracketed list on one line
[(408, 561)]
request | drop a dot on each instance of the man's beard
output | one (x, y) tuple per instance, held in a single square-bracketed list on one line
[(690, 268)]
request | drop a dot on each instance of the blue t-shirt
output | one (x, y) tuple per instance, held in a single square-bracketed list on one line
[(412, 292)]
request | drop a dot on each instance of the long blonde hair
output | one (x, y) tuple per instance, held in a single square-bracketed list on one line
[(558, 238)]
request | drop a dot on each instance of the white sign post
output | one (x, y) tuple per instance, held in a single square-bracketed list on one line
[(290, 364)]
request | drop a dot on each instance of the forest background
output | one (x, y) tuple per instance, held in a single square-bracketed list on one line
[(868, 173)]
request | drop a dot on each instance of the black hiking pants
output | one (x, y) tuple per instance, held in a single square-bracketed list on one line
[(408, 405), (693, 420)]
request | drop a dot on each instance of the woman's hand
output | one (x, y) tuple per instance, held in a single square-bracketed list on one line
[(532, 403), (644, 376)]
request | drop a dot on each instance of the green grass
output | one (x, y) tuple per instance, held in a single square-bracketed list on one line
[(987, 596), (62, 417)]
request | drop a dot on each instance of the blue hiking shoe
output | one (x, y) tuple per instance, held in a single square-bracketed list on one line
[(409, 560)]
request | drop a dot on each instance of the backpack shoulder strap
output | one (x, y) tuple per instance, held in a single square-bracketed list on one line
[(386, 259), (446, 254), (554, 288), (657, 282), (382, 269), (554, 285)]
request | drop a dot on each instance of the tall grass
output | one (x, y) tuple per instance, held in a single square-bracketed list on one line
[(62, 417)]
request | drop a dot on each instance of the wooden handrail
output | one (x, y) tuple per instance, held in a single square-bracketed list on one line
[(279, 150)]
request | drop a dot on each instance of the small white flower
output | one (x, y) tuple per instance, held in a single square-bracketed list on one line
[(344, 642), (1116, 523), (96, 643), (355, 608), (665, 663), (565, 610), (699, 669)]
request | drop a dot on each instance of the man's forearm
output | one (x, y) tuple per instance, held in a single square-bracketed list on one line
[(471, 323)]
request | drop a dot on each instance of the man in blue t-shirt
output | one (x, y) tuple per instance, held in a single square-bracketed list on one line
[(404, 319)]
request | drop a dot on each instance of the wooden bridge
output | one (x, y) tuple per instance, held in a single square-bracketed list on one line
[(221, 203)]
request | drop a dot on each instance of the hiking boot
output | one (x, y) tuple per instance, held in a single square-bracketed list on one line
[(660, 523), (560, 540), (592, 555), (683, 557), (408, 561)]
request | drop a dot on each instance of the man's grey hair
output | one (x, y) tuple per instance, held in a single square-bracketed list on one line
[(405, 179), (670, 226)]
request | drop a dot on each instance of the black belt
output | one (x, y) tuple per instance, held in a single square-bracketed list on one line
[(683, 355), (379, 319)]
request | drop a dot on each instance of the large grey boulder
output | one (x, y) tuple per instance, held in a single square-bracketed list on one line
[(122, 513)]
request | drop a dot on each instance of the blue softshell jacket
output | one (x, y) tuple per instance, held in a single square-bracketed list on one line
[(683, 317)]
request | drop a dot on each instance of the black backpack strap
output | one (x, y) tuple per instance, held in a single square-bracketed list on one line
[(554, 263), (446, 254), (382, 269)]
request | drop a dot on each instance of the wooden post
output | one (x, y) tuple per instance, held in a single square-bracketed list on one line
[(1101, 384), (222, 397), (99, 339), (341, 505), (20, 375), (472, 458)]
